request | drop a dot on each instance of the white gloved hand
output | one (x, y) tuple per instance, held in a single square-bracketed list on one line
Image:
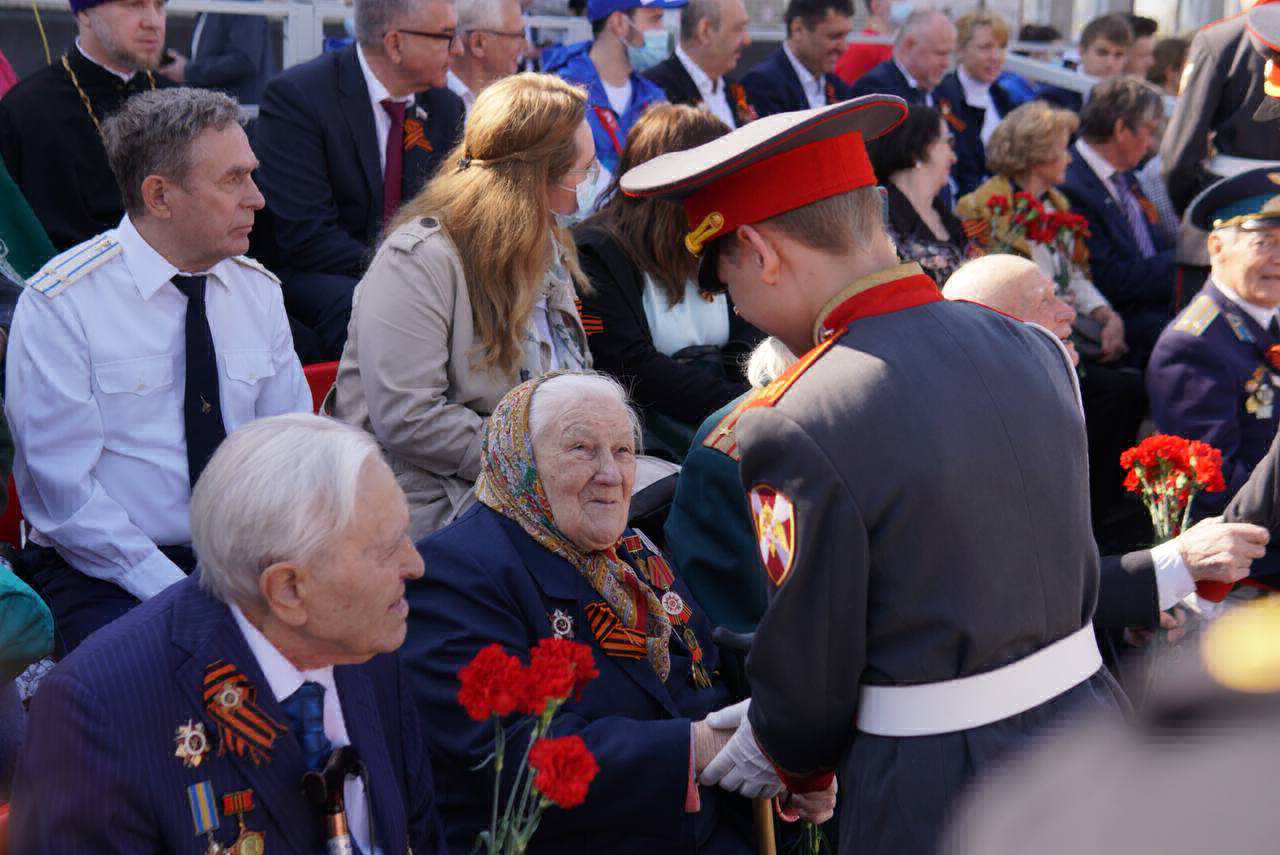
[(741, 766), (729, 717)]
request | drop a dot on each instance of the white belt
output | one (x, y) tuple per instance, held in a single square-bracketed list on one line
[(970, 702)]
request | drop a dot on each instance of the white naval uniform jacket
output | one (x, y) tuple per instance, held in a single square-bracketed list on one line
[(95, 382)]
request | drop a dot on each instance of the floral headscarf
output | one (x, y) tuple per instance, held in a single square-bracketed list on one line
[(509, 484)]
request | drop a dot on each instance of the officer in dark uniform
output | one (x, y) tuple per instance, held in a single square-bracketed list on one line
[(1222, 88), (50, 122), (1215, 371), (917, 482)]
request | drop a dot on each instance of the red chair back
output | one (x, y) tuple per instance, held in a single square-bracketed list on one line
[(320, 377), (11, 526)]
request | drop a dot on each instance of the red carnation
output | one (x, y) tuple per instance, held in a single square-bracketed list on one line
[(997, 204), (557, 669), (491, 684), (565, 769)]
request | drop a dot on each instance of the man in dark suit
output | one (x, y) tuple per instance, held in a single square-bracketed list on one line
[(713, 34), (798, 75), (346, 138), (1104, 47), (1222, 88), (1131, 261), (1214, 372), (189, 725), (921, 56), (230, 53)]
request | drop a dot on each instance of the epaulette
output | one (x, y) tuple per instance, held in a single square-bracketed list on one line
[(1195, 319), (254, 264), (773, 393), (74, 264), (723, 437), (412, 233)]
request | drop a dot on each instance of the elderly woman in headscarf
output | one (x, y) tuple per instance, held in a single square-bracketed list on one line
[(546, 552)]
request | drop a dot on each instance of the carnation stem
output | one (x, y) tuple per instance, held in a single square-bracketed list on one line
[(499, 748)]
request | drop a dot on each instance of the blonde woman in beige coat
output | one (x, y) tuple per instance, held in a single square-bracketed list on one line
[(471, 292)]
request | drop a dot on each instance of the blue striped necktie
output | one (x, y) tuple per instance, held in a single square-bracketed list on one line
[(305, 709)]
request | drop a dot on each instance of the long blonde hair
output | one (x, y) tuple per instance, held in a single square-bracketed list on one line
[(490, 197)]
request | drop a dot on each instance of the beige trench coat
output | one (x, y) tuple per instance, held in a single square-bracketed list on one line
[(412, 373)]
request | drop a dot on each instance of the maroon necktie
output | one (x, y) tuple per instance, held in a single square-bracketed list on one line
[(393, 175)]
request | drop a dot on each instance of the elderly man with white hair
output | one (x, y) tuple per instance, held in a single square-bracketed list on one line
[(493, 43), (193, 723), (1136, 588), (546, 553)]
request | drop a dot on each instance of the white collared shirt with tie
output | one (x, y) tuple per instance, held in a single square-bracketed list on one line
[(713, 95), (285, 679), (377, 94), (95, 384)]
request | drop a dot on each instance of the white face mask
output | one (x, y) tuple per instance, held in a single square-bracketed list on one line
[(585, 193), (657, 47)]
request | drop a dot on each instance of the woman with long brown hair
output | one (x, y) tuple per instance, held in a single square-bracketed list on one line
[(679, 352), (471, 292)]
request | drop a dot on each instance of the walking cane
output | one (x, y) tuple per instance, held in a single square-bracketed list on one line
[(762, 813), (739, 644)]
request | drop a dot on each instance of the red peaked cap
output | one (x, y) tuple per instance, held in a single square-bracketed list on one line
[(771, 166)]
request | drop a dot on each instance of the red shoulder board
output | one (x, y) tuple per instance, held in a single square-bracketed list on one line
[(773, 393)]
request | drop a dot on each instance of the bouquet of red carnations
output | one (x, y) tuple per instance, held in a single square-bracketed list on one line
[(552, 771), (1168, 472), (1062, 231)]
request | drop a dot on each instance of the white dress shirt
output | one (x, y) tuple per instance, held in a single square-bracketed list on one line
[(713, 95), (284, 679), (814, 90), (1173, 577), (462, 90), (977, 94), (913, 83), (378, 93), (693, 322), (95, 380), (1102, 168)]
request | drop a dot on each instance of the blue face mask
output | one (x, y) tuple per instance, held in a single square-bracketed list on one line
[(657, 47)]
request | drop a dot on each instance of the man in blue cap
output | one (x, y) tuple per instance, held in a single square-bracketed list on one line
[(1214, 372), (628, 38)]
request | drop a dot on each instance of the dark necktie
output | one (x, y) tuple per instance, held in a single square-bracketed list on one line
[(1273, 328), (393, 175), (1133, 213), (305, 710), (201, 405)]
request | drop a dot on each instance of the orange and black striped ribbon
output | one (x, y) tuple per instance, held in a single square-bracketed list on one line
[(415, 136), (615, 639), (242, 727)]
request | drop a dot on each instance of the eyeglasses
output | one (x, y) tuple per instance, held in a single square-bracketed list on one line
[(451, 38), (518, 34), (590, 174)]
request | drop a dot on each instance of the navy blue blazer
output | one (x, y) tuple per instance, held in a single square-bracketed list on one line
[(966, 129), (1067, 99), (1140, 289), (235, 55), (887, 79), (774, 87), (321, 172), (98, 771), (487, 581), (1210, 379)]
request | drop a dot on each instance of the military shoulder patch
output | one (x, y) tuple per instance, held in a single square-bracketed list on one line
[(1195, 318), (775, 523), (254, 264), (73, 265)]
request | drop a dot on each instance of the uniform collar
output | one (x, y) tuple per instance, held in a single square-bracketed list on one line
[(893, 289), (282, 676), (1260, 314), (124, 78), (701, 79), (150, 270)]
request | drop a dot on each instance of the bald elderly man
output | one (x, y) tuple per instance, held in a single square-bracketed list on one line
[(1137, 587)]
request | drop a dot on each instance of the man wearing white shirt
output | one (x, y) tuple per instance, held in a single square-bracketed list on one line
[(799, 74), (713, 34), (229, 691), (132, 355), (921, 57), (344, 140), (492, 36)]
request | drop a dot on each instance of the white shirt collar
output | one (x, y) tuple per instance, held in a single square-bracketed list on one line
[(283, 678), (1261, 314), (150, 270), (701, 79), (807, 80), (461, 89), (1098, 163), (976, 93), (377, 92), (911, 81), (125, 77)]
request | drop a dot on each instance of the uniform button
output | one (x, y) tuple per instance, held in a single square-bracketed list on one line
[(429, 222)]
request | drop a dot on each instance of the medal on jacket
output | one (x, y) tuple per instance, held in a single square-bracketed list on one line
[(237, 804), (193, 743), (204, 815), (242, 725), (657, 572)]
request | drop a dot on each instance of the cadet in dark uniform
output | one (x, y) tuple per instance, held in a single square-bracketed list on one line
[(918, 485), (1222, 88), (1214, 372), (50, 123)]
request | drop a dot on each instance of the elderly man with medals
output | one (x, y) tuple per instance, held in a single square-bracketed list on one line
[(918, 486)]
